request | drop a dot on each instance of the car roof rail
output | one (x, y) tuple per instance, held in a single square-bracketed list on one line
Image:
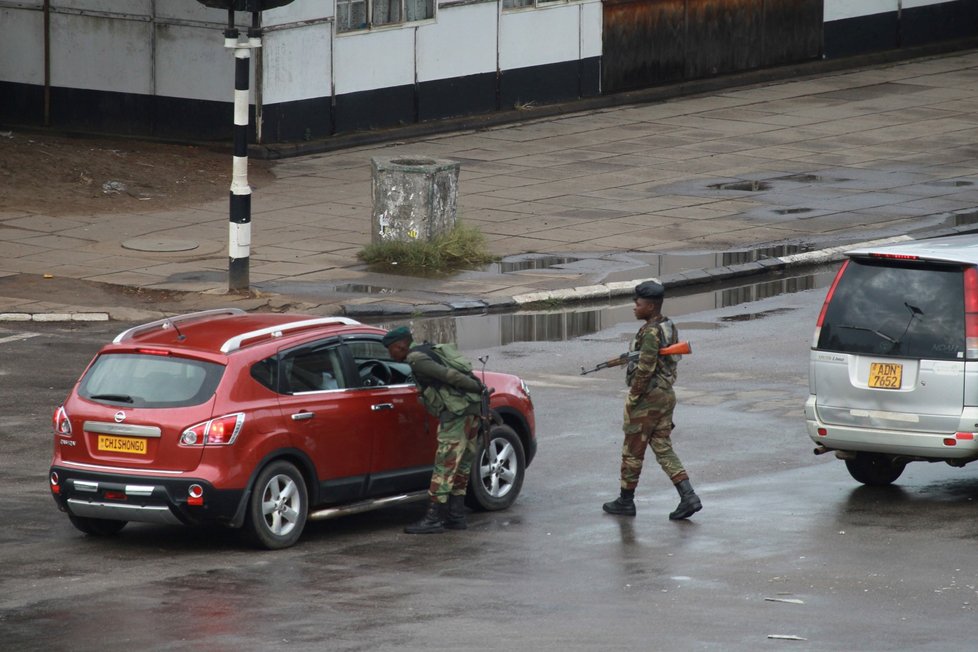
[(169, 321), (238, 341)]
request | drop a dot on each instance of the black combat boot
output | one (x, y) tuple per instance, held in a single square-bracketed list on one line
[(689, 502), (433, 521), (455, 515), (623, 505)]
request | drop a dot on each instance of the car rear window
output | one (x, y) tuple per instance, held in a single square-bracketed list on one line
[(885, 308), (150, 381)]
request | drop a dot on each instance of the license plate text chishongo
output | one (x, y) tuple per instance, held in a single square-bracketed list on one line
[(112, 444), (885, 375)]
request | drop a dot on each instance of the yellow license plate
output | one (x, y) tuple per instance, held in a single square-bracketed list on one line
[(111, 444), (885, 375)]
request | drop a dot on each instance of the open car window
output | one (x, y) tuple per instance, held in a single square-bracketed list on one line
[(375, 367)]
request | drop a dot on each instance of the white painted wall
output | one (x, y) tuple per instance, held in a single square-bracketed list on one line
[(91, 52), (192, 63), (550, 34), (376, 59), (296, 63), (21, 46), (461, 42), (842, 9)]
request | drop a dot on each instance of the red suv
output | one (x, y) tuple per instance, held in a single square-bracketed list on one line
[(261, 421)]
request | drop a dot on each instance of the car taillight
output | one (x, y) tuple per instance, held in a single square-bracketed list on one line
[(825, 304), (62, 425), (971, 313), (221, 431)]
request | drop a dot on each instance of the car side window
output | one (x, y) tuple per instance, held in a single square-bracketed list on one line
[(375, 366), (312, 369)]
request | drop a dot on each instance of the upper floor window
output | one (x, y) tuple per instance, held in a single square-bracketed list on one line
[(354, 15)]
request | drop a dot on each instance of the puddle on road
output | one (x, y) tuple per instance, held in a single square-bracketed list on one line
[(562, 324)]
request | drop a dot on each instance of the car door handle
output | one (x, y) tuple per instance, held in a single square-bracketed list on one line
[(302, 416), (377, 407)]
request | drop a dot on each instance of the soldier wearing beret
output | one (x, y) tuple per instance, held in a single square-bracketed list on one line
[(649, 407), (456, 399)]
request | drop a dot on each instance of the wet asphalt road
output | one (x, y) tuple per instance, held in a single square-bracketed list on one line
[(787, 543)]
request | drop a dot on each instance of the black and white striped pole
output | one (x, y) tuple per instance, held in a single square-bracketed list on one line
[(239, 234)]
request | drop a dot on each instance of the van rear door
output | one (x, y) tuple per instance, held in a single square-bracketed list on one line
[(890, 352)]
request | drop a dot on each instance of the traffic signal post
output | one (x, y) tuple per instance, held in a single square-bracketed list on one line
[(239, 234)]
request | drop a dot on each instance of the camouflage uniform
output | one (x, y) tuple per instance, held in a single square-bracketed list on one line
[(651, 401), (456, 400)]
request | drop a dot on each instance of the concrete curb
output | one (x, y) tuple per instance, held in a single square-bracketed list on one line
[(599, 292)]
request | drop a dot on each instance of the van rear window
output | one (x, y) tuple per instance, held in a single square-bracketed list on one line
[(150, 381), (903, 310)]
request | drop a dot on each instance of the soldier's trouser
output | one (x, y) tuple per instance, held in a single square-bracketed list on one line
[(648, 423), (457, 442)]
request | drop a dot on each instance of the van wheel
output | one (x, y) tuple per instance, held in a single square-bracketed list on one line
[(497, 472), (874, 469), (278, 506), (97, 527)]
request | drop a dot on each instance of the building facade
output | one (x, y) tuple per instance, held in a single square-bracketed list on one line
[(159, 68)]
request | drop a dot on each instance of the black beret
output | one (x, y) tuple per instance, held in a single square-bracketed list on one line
[(396, 335), (649, 290)]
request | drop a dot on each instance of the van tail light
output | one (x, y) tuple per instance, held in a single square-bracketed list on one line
[(825, 304), (62, 425), (221, 431), (971, 313)]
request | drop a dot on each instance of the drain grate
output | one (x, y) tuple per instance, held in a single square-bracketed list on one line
[(746, 186)]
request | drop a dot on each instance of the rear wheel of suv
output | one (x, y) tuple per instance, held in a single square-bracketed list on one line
[(497, 474), (278, 506), (874, 469), (98, 527)]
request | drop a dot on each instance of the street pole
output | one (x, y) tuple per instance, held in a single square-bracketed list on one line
[(239, 236)]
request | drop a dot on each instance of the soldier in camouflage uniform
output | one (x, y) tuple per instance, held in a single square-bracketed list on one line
[(456, 400), (648, 409)]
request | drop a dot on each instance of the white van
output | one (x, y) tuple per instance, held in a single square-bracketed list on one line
[(893, 376)]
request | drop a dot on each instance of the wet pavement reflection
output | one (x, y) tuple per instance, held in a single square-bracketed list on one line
[(574, 321)]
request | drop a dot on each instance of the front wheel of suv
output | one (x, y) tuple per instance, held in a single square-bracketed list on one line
[(874, 469), (497, 473), (278, 506)]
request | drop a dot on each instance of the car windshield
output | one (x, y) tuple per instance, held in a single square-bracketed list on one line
[(901, 310), (150, 381)]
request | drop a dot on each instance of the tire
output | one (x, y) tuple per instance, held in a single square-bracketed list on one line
[(97, 527), (278, 506), (874, 469), (497, 474)]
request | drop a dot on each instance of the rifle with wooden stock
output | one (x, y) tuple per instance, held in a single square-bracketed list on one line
[(679, 348)]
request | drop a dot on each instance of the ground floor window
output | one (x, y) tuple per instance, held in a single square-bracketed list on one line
[(352, 15)]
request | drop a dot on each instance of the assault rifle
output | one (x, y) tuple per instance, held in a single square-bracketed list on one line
[(679, 348), (485, 415)]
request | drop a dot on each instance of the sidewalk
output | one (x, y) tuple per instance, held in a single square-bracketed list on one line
[(800, 170)]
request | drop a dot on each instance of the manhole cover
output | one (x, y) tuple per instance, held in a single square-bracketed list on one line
[(159, 244)]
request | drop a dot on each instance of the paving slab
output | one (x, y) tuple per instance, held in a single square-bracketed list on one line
[(816, 163)]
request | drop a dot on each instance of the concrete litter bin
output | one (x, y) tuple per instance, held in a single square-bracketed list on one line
[(414, 197)]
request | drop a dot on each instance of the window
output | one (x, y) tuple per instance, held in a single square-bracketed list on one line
[(352, 15), (520, 4), (881, 309), (312, 369), (150, 381)]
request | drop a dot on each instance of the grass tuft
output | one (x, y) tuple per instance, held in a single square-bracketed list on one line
[(463, 247)]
